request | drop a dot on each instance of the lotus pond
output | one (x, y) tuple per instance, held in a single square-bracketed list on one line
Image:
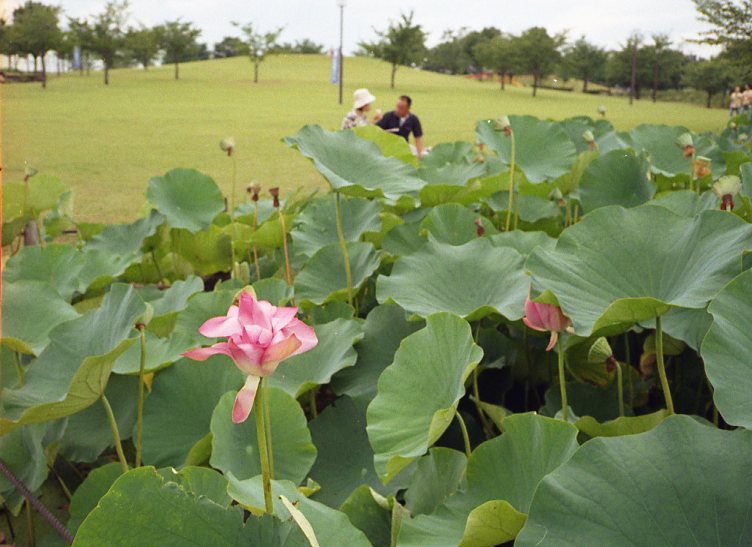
[(542, 337)]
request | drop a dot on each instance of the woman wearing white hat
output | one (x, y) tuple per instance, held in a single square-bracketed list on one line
[(362, 101)]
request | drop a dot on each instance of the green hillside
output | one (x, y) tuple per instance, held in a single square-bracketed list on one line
[(106, 142)]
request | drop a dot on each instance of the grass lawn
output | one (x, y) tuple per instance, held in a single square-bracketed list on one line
[(106, 142)]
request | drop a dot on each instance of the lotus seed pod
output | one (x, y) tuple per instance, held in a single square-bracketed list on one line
[(227, 145), (602, 110), (701, 167), (726, 188), (588, 136), (502, 122), (275, 195), (29, 172), (146, 317), (685, 142), (600, 351)]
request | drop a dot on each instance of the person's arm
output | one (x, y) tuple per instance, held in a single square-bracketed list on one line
[(382, 121), (419, 147), (418, 133)]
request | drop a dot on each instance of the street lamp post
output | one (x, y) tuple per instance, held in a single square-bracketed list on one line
[(341, 4)]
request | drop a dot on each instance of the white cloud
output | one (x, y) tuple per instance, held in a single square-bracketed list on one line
[(606, 22)]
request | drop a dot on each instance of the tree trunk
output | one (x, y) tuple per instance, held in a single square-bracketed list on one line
[(535, 83), (710, 97), (44, 74), (394, 72), (177, 70), (255, 71), (35, 64), (656, 74), (584, 84), (57, 59), (501, 77), (106, 74)]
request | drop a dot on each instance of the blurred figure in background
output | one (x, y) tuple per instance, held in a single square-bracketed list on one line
[(402, 122), (362, 101), (735, 105), (747, 98)]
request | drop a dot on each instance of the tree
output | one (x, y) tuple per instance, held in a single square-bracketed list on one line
[(178, 40), (449, 55), (230, 46), (142, 45), (585, 61), (402, 43), (661, 43), (258, 45), (497, 54), (712, 76), (104, 35), (538, 53), (36, 31), (304, 46)]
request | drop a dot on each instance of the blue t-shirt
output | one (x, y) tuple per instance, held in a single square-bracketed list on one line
[(393, 124)]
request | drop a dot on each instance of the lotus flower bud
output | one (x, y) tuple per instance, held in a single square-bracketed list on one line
[(29, 172), (726, 188), (589, 138), (227, 145), (602, 110), (275, 195), (701, 167), (685, 142), (601, 352), (480, 229), (545, 317), (503, 124)]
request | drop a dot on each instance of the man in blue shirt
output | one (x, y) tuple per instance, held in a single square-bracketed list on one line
[(402, 122)]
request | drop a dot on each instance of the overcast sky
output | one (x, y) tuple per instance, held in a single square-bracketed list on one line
[(605, 22)]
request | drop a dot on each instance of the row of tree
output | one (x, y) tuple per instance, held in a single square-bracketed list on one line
[(37, 29), (639, 64)]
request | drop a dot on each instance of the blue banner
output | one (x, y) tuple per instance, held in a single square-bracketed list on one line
[(335, 66), (76, 57)]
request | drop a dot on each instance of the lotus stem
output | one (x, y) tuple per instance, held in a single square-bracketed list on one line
[(20, 370), (620, 387), (140, 408), (255, 249), (465, 435), (234, 180), (115, 433), (268, 425), (156, 265), (263, 448), (510, 205), (343, 247), (288, 271), (312, 402), (662, 365), (562, 382)]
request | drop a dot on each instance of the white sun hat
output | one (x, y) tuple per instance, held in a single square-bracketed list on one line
[(362, 97)]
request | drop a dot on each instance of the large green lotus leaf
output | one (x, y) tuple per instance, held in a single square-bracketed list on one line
[(616, 178), (88, 432), (502, 476), (530, 208), (418, 393), (403, 239), (189, 199), (56, 264), (72, 372), (447, 153), (178, 411), (273, 290), (439, 474), (745, 172), (390, 145), (28, 200), (234, 446), (126, 240), (610, 270), (682, 483), (367, 515), (22, 451), (544, 151), (585, 400), (727, 351), (334, 352), (575, 128), (209, 251), (345, 458), (472, 191), (144, 508), (471, 280), (523, 242), (666, 157), (385, 328), (685, 324), (323, 279), (95, 486), (686, 203), (30, 310), (167, 303), (623, 425), (332, 528), (316, 226), (269, 234), (452, 174), (454, 224), (355, 166)]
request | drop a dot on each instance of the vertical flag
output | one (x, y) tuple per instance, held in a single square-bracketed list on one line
[(76, 57), (335, 66)]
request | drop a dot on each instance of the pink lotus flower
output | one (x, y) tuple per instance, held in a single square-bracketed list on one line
[(545, 318), (259, 337)]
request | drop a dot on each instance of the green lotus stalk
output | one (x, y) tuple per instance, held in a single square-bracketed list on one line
[(19, 369), (115, 433), (268, 426), (620, 388), (288, 271), (662, 365), (140, 408), (465, 435), (255, 248), (511, 204), (263, 447), (343, 247), (562, 381)]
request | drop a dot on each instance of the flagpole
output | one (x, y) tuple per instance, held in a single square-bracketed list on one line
[(341, 4)]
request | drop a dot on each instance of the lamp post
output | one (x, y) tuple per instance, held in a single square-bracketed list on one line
[(341, 4)]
